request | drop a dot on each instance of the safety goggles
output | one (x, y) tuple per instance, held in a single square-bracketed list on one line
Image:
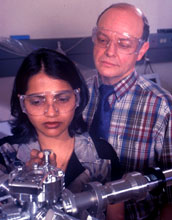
[(39, 103), (123, 42)]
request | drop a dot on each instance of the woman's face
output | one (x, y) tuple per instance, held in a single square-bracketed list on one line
[(52, 117)]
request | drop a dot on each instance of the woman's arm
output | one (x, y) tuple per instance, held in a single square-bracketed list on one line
[(115, 212), (166, 212)]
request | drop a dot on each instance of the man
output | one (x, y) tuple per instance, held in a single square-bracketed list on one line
[(140, 126)]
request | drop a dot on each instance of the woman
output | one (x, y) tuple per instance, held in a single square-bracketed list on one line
[(47, 102)]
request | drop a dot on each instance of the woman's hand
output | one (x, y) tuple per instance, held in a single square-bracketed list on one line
[(37, 157)]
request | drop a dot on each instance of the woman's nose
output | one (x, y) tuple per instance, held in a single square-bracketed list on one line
[(51, 110)]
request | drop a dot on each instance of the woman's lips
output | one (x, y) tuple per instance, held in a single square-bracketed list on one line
[(52, 125)]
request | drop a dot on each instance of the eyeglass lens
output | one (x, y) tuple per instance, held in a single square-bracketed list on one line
[(38, 104), (123, 43)]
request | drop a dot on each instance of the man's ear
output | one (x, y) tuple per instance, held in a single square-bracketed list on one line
[(143, 50)]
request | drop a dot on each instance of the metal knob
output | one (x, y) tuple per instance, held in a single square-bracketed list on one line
[(47, 156)]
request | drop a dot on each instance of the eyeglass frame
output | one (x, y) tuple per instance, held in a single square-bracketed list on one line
[(140, 40), (22, 97)]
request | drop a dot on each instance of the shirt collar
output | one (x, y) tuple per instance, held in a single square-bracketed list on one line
[(122, 86)]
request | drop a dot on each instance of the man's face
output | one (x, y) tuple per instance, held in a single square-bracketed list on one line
[(111, 64)]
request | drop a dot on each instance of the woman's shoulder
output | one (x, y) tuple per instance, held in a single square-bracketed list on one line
[(7, 144), (103, 149), (98, 156), (5, 139), (8, 152), (91, 149), (14, 147), (14, 151), (84, 147), (11, 139)]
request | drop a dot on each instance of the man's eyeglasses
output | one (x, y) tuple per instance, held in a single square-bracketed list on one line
[(39, 103), (124, 43)]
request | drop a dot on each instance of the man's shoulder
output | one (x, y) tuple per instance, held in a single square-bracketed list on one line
[(155, 90)]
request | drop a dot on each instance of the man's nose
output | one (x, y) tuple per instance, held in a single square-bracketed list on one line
[(111, 49)]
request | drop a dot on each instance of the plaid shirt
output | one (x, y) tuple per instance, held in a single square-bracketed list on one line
[(140, 129)]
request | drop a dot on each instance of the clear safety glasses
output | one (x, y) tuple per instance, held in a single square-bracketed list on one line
[(124, 43), (39, 103)]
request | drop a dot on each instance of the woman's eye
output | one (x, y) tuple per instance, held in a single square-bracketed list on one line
[(62, 99), (36, 100), (66, 99)]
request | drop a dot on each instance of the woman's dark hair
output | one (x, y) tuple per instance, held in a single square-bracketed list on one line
[(55, 65)]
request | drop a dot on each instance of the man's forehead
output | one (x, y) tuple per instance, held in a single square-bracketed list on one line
[(122, 20)]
